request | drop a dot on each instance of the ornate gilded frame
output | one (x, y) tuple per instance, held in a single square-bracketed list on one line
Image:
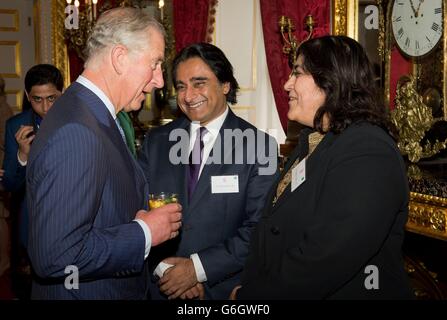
[(345, 18), (60, 55)]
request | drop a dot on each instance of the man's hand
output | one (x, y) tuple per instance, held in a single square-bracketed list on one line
[(163, 222), (198, 291), (179, 278), (24, 137)]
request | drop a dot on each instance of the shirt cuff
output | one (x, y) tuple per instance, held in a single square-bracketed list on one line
[(200, 272), (22, 163), (161, 268), (147, 236)]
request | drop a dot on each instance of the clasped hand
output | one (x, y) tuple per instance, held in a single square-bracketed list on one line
[(180, 281)]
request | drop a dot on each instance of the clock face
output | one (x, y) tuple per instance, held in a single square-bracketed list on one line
[(417, 25)]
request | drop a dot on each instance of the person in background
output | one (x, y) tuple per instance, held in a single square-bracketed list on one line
[(87, 195), (334, 223), (5, 261), (222, 198), (43, 85)]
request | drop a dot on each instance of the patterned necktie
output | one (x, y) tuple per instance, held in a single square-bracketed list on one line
[(195, 161), (120, 130)]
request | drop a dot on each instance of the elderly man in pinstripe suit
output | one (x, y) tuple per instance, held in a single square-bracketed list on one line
[(89, 235)]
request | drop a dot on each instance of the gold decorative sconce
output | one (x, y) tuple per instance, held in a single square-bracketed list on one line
[(290, 42)]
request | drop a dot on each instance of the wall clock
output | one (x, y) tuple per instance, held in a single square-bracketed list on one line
[(417, 25)]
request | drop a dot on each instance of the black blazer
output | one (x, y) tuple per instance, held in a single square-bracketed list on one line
[(216, 226), (350, 213)]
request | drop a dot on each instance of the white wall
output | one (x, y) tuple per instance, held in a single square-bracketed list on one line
[(238, 32)]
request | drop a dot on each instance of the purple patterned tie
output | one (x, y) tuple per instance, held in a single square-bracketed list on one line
[(195, 161)]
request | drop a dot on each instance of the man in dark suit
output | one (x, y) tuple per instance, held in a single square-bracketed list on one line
[(43, 85), (220, 166), (89, 237)]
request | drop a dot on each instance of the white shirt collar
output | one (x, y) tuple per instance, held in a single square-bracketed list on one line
[(101, 95), (213, 126), (209, 138)]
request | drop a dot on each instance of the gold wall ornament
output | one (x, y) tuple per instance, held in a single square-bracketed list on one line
[(413, 119), (286, 28)]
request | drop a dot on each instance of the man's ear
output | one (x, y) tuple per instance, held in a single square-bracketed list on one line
[(226, 87), (119, 55), (27, 96)]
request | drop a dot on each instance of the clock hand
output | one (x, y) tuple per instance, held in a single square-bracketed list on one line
[(412, 8), (419, 6)]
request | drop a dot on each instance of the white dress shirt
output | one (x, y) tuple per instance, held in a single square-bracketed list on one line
[(209, 139)]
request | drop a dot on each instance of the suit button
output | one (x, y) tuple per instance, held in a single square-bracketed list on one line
[(274, 230)]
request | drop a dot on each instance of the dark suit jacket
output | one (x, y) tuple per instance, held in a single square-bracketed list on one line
[(350, 212), (14, 177), (216, 226), (84, 189)]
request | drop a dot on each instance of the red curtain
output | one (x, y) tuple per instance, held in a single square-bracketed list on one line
[(190, 21), (297, 10)]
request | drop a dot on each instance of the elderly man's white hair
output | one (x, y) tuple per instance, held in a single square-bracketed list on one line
[(124, 25)]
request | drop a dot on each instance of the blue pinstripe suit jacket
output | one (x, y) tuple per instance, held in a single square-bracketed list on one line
[(84, 189)]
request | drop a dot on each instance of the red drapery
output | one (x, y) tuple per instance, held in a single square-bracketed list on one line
[(297, 10), (190, 21)]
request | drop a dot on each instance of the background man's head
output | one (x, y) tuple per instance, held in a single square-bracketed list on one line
[(127, 45), (43, 85), (204, 81)]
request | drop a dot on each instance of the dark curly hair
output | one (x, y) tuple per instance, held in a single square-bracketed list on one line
[(340, 67), (216, 60)]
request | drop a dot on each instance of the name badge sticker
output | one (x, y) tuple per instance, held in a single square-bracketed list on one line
[(225, 184), (298, 175)]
